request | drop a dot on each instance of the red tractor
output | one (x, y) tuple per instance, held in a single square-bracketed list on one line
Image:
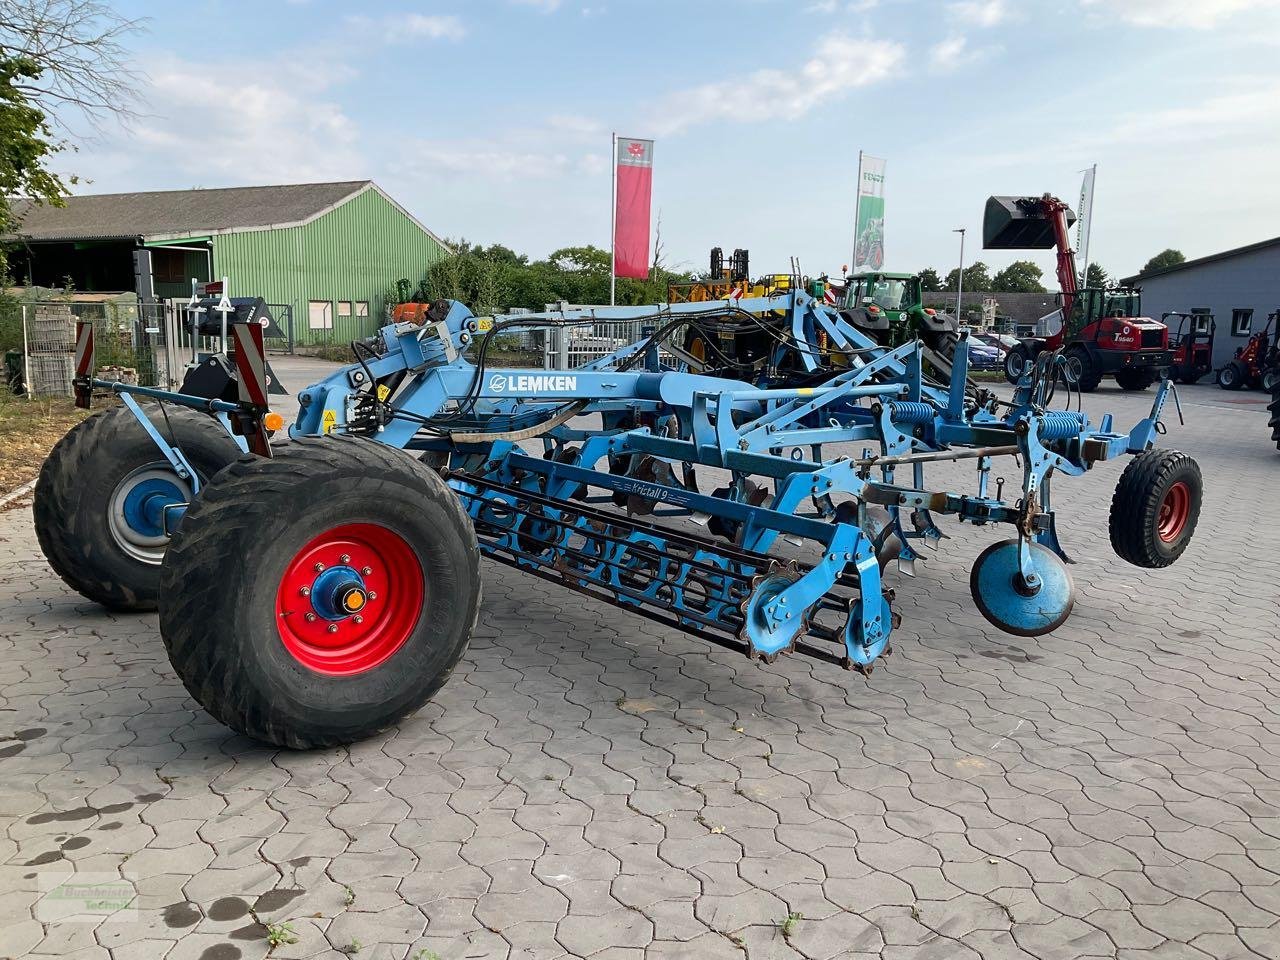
[(1192, 345), (1101, 331), (1257, 363)]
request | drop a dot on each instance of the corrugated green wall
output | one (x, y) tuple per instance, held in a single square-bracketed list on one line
[(355, 252)]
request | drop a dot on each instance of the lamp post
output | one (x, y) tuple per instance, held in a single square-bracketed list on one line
[(960, 276)]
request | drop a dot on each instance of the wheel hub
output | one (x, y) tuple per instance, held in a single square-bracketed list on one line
[(1175, 510), (138, 507), (349, 599), (338, 592)]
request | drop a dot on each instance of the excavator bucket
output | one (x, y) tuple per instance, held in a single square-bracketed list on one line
[(1018, 223)]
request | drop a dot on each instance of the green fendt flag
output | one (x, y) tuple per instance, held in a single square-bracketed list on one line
[(868, 237)]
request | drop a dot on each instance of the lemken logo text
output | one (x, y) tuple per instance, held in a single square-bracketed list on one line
[(531, 383)]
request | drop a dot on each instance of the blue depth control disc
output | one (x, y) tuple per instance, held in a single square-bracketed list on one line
[(1009, 602)]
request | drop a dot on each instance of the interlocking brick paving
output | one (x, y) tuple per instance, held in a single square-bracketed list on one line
[(590, 784)]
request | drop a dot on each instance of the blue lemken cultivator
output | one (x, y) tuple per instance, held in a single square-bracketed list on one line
[(318, 590)]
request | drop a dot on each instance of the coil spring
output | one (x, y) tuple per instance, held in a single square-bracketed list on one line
[(910, 411), (1059, 425)]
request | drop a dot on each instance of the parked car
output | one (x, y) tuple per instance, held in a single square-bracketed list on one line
[(983, 356), (1001, 341)]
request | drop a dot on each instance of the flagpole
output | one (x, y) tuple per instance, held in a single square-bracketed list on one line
[(857, 210), (613, 224)]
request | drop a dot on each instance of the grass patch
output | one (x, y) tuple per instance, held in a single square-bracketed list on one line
[(28, 431)]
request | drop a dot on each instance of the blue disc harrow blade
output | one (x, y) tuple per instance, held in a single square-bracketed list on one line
[(1025, 603)]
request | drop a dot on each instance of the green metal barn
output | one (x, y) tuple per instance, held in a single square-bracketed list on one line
[(328, 251)]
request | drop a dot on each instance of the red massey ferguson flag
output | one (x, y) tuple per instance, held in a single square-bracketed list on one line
[(635, 193)]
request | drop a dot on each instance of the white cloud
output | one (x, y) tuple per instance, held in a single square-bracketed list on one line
[(483, 159), (949, 53), (559, 146), (981, 13), (268, 127), (545, 6), (575, 126), (839, 65), (1255, 105), (829, 7), (407, 27), (1196, 14), (417, 25)]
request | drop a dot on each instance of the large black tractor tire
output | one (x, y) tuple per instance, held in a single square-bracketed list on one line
[(1135, 380), (1155, 508), (943, 343), (276, 651), (1233, 376), (1015, 362), (1274, 409), (1082, 367), (91, 484)]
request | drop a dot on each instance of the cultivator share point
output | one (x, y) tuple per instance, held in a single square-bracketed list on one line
[(318, 595)]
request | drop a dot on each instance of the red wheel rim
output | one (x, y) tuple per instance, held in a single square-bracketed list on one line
[(349, 599), (1175, 510)]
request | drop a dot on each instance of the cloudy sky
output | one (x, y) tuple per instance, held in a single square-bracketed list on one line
[(491, 119)]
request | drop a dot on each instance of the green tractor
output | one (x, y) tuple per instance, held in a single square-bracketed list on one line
[(889, 307)]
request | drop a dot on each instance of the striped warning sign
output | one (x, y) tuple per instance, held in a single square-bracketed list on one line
[(84, 348), (251, 365)]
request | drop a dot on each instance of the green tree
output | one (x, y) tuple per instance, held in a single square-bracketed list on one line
[(26, 146), (58, 58), (930, 282), (976, 277), (1164, 259), (1021, 276), (494, 279), (469, 275), (1095, 276)]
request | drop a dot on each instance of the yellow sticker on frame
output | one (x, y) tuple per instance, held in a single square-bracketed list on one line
[(329, 420)]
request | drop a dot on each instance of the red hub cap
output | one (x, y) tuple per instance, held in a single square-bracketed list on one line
[(1175, 510), (349, 599)]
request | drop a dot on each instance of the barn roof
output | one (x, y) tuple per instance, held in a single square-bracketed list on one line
[(174, 214)]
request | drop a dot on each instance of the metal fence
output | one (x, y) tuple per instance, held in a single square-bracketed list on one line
[(139, 343), (125, 346), (565, 348)]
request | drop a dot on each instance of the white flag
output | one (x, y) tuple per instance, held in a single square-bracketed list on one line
[(1084, 210)]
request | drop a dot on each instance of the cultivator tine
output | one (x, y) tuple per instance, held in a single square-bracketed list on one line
[(84, 364)]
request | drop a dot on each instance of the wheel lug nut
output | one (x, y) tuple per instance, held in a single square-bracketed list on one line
[(311, 618), (366, 570), (358, 619), (333, 628), (305, 591), (318, 567), (345, 558), (372, 595)]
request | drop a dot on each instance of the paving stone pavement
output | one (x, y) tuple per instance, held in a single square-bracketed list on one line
[(592, 785)]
